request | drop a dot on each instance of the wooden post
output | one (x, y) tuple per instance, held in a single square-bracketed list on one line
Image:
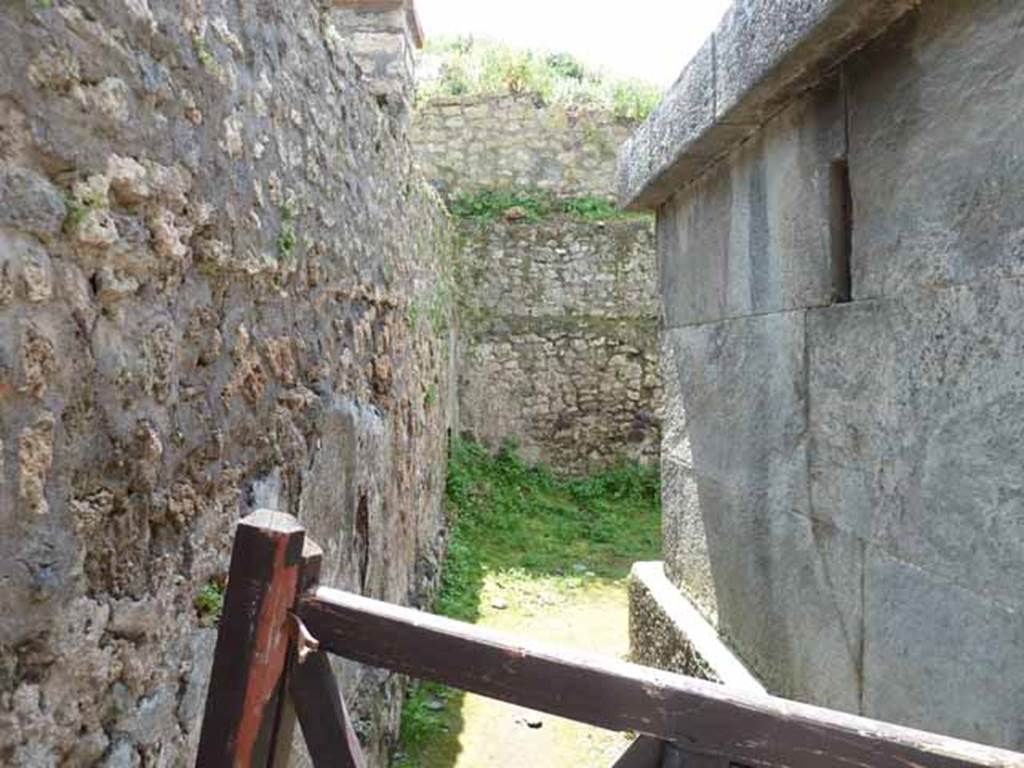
[(309, 577), (252, 643)]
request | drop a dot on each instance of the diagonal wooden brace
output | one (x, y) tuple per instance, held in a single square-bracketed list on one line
[(322, 714)]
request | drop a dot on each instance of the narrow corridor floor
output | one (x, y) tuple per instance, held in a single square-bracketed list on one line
[(544, 557), (583, 613)]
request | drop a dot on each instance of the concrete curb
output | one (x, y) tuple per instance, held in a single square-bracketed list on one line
[(668, 632)]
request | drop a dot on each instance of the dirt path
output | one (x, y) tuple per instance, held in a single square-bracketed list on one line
[(544, 557), (584, 613)]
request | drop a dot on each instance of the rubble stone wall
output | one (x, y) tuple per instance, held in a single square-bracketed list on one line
[(559, 318), (559, 345), (469, 143), (211, 238)]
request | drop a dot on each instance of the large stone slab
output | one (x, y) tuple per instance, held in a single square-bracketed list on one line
[(843, 484), (650, 159), (753, 236), (941, 657), (789, 598), (737, 485), (918, 444), (684, 540), (937, 149), (742, 387)]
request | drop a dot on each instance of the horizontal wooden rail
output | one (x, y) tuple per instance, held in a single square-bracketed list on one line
[(701, 717)]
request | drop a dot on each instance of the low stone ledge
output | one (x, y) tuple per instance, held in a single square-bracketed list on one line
[(763, 53), (667, 632)]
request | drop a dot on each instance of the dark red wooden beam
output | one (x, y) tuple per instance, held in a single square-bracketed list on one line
[(701, 717), (309, 577), (324, 719), (242, 706)]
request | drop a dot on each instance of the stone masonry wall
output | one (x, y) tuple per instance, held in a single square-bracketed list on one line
[(844, 481), (559, 320), (211, 236), (559, 332), (476, 142)]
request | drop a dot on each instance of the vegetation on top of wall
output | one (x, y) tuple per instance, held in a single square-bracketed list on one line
[(590, 207), (467, 66), (539, 535), (531, 204)]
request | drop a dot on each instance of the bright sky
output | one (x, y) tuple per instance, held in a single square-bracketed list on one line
[(652, 39)]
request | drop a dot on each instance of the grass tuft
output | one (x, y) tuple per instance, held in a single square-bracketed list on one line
[(209, 602), (531, 205), (286, 237)]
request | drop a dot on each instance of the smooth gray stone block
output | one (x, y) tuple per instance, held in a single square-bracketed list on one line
[(742, 387), (918, 442), (753, 236), (778, 578), (767, 50), (937, 149), (941, 657)]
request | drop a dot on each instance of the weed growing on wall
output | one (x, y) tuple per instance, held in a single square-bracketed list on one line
[(590, 208), (430, 396), (209, 602), (492, 204), (531, 205), (286, 239), (531, 530), (467, 66)]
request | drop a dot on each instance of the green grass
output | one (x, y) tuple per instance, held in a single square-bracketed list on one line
[(509, 515), (531, 204), (420, 720), (209, 602), (592, 208), (430, 396), (286, 238), (467, 66), (538, 532)]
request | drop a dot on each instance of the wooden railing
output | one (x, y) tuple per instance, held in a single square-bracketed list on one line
[(270, 669)]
